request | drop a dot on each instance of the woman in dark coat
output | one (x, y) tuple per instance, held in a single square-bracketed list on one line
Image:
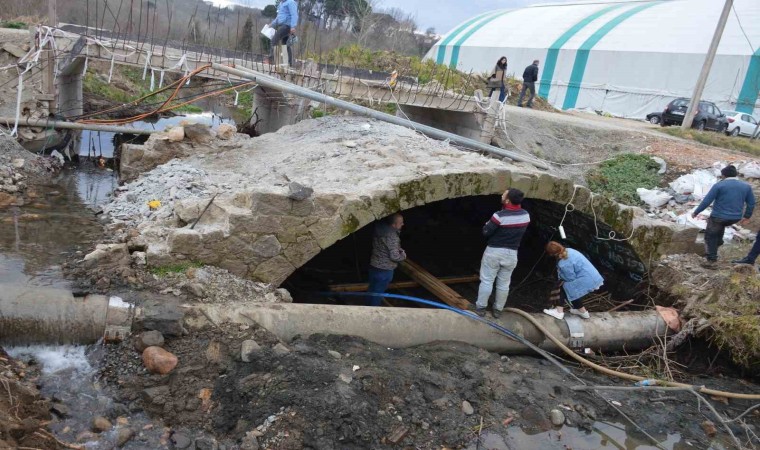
[(498, 79)]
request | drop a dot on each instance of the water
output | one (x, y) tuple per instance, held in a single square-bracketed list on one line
[(99, 143), (38, 237)]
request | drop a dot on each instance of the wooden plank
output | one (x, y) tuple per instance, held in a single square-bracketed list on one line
[(434, 285), (362, 287)]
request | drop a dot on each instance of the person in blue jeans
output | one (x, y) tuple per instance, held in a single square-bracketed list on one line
[(577, 278), (386, 254), (285, 26), (753, 253), (498, 78), (504, 231), (732, 201)]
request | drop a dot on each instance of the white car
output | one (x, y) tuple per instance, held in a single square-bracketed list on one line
[(740, 123)]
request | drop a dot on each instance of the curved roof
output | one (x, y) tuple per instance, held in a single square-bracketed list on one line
[(669, 31)]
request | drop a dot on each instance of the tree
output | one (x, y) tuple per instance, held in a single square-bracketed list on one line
[(430, 32), (246, 40), (269, 11)]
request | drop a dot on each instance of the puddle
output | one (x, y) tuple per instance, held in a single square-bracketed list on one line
[(68, 376), (604, 435)]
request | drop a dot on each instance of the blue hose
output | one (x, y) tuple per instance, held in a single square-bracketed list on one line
[(509, 333)]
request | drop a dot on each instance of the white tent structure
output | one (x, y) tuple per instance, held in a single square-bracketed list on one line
[(627, 58)]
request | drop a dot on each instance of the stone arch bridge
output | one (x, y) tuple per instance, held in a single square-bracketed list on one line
[(263, 226)]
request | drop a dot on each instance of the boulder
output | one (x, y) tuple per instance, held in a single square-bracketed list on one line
[(107, 256), (198, 133), (225, 131), (147, 339), (280, 349), (248, 347), (159, 361), (175, 134)]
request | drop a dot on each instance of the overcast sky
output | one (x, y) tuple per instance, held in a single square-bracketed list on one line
[(443, 15)]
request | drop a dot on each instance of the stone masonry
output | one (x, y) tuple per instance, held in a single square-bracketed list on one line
[(283, 197)]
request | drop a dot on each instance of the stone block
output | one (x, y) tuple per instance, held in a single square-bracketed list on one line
[(266, 203), (274, 270), (300, 252), (524, 182), (266, 247), (184, 241), (326, 232), (327, 205)]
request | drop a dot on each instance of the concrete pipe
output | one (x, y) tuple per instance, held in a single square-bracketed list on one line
[(406, 327), (33, 315)]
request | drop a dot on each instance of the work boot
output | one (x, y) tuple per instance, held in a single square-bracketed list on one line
[(480, 311), (495, 313), (744, 260), (708, 264)]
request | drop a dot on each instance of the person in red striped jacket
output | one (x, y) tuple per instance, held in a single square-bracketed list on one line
[(504, 231)]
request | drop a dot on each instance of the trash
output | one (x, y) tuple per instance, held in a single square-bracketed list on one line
[(154, 204), (750, 170), (355, 368), (646, 383), (697, 183), (268, 31), (654, 198)]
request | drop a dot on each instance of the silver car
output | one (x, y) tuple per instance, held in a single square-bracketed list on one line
[(740, 123)]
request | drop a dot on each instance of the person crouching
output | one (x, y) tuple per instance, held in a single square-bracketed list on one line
[(577, 278)]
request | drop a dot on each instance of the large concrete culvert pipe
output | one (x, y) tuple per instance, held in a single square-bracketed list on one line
[(34, 315), (407, 327)]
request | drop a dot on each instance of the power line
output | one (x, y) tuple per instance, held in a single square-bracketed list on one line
[(741, 27)]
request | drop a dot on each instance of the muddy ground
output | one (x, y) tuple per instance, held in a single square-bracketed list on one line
[(329, 392)]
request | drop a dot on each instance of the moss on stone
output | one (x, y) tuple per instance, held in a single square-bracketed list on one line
[(350, 224)]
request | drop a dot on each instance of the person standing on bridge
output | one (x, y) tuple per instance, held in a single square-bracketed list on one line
[(530, 76), (577, 278), (504, 230), (285, 26), (498, 79), (386, 254), (728, 198)]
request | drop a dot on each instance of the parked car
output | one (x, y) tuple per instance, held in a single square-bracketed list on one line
[(654, 118), (740, 123), (707, 117)]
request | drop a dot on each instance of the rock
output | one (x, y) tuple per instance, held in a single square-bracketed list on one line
[(206, 443), (346, 377), (159, 361), (101, 424), (103, 283), (147, 339), (349, 144), (249, 442), (18, 163), (284, 295), (266, 246), (398, 434), (299, 192), (123, 436), (139, 258), (60, 410), (334, 354), (467, 408), (249, 346), (709, 428), (180, 440), (14, 50), (156, 396), (198, 133), (225, 131), (6, 199), (195, 289), (557, 417), (175, 134), (163, 315), (107, 256), (280, 349)]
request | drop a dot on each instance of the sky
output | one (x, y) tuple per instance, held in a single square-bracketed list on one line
[(443, 15)]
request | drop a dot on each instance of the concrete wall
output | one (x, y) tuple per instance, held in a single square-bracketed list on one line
[(474, 125), (70, 96)]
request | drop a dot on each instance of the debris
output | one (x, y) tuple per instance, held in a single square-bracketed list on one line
[(159, 361), (154, 204), (225, 131), (123, 436), (653, 197), (467, 408), (280, 349), (175, 134), (697, 183), (299, 192), (345, 377), (349, 144), (709, 428), (398, 434), (334, 354), (355, 368), (101, 424), (248, 346)]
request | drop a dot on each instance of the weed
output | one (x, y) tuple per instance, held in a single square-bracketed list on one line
[(317, 113), (619, 177), (162, 271), (13, 24)]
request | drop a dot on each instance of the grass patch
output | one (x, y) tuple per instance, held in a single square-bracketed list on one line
[(96, 86), (619, 177), (162, 271), (737, 143), (317, 113), (16, 25)]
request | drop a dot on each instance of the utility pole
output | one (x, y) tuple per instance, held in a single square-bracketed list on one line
[(48, 76), (697, 96)]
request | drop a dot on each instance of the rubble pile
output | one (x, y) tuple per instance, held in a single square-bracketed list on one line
[(676, 202), (165, 184), (17, 166)]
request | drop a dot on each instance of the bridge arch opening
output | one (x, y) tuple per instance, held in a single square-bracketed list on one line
[(444, 237)]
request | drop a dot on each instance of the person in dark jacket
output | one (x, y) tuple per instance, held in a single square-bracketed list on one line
[(504, 231), (728, 198), (386, 254), (530, 76), (285, 25), (498, 79)]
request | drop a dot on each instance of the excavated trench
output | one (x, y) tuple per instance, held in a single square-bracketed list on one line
[(445, 238)]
